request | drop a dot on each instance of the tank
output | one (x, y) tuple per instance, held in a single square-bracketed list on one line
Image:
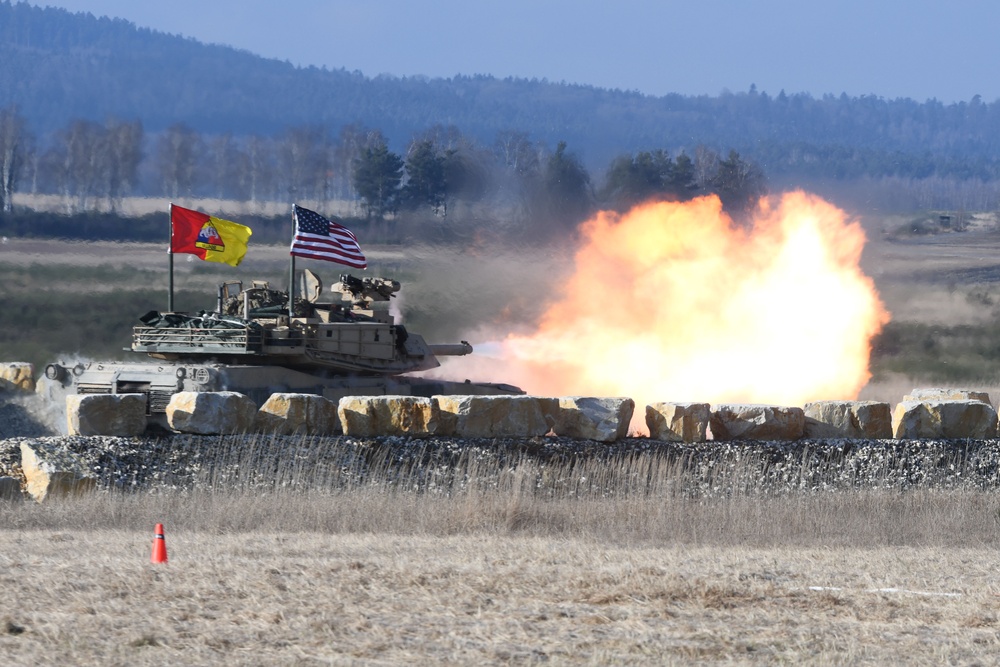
[(342, 346)]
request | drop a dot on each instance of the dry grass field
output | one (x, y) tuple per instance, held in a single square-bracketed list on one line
[(633, 562), (869, 575), (83, 597)]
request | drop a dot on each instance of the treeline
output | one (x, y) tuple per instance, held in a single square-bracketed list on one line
[(516, 180), (58, 66)]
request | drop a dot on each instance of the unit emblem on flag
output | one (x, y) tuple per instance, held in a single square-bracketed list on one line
[(209, 238)]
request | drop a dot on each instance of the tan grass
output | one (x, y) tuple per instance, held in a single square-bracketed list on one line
[(139, 206), (91, 597)]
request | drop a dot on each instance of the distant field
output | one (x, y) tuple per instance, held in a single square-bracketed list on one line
[(144, 205)]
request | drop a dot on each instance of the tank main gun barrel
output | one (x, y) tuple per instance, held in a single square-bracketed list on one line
[(451, 350)]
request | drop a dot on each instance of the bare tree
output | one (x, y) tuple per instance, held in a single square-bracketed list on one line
[(706, 164), (80, 161), (256, 168), (517, 153), (178, 152), (222, 154), (13, 143), (519, 182), (302, 157), (123, 153)]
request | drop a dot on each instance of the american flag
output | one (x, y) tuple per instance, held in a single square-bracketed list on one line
[(319, 238)]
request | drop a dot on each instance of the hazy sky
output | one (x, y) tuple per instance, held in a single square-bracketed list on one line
[(920, 49)]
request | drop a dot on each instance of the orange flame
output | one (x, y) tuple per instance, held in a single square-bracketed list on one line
[(673, 302)]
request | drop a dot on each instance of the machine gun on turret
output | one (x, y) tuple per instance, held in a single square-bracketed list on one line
[(363, 291)]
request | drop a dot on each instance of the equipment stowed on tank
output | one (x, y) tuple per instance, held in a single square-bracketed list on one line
[(251, 344)]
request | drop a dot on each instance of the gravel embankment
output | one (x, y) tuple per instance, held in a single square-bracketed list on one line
[(182, 461)]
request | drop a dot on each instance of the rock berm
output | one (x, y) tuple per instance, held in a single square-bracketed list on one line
[(678, 422), (106, 414), (367, 416), (307, 414), (944, 419), (211, 413), (592, 418), (848, 419), (735, 421), (495, 416)]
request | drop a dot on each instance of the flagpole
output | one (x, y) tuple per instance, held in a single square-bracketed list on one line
[(291, 273), (170, 253)]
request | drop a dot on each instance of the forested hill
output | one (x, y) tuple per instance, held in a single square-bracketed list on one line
[(57, 66)]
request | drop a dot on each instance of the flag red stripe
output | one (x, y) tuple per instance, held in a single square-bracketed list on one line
[(322, 251), (339, 260), (322, 243)]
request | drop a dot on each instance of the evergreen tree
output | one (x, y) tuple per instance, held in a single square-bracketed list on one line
[(739, 184), (425, 177), (682, 181), (567, 189), (644, 176), (377, 176)]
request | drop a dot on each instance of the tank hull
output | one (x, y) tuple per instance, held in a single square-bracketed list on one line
[(159, 381)]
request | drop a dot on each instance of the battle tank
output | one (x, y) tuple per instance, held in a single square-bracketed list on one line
[(257, 344)]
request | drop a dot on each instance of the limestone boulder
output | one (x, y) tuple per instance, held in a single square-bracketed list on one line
[(51, 471), (495, 416), (592, 418), (211, 412), (944, 419), (940, 393), (17, 376), (305, 414), (678, 422), (368, 416), (848, 419), (756, 422), (122, 415)]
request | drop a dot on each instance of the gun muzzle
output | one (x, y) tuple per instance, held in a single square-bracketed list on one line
[(451, 350)]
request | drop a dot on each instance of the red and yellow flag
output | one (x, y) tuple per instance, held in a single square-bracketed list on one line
[(213, 239)]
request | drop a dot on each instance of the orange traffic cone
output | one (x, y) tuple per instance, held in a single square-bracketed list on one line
[(159, 546)]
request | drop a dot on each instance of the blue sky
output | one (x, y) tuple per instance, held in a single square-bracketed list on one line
[(920, 49)]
